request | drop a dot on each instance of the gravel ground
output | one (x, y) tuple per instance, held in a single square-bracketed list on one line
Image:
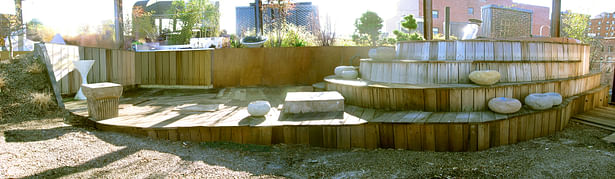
[(49, 148)]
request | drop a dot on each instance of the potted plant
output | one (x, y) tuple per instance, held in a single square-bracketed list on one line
[(253, 41)]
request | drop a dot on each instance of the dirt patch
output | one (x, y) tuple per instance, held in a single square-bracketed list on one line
[(25, 93)]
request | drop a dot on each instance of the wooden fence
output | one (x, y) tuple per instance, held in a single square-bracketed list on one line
[(174, 68), (280, 66), (4, 55), (228, 67)]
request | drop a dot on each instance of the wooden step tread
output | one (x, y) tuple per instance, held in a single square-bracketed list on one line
[(610, 138), (365, 83), (405, 60), (602, 117)]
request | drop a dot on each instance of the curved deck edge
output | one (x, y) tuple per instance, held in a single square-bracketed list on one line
[(470, 136)]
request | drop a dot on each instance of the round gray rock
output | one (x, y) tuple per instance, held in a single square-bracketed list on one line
[(339, 69), (259, 108), (487, 77), (556, 98), (504, 105), (350, 74), (538, 101)]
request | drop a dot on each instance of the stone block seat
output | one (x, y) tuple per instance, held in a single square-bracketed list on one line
[(307, 102), (103, 99)]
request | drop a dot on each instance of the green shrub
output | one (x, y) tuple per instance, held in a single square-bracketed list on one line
[(290, 36), (401, 36)]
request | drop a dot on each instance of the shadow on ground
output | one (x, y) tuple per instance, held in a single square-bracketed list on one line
[(189, 151)]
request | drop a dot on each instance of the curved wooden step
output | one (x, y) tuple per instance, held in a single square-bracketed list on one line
[(450, 97), (451, 72)]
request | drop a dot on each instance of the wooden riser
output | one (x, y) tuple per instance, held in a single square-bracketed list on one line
[(486, 50), (445, 98), (469, 136), (453, 72)]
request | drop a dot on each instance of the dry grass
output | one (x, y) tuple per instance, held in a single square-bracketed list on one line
[(2, 82), (41, 101), (35, 68)]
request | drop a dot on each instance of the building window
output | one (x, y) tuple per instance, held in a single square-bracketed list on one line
[(471, 10), (608, 22), (434, 14), (590, 23), (610, 48), (607, 28), (598, 27), (435, 30), (598, 34), (599, 22)]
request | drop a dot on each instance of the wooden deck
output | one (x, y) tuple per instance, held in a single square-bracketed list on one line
[(190, 115), (155, 108), (602, 117)]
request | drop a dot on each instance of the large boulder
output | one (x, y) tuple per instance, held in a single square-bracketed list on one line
[(350, 74), (382, 53), (556, 98), (504, 105), (487, 77), (259, 108), (339, 69), (539, 101)]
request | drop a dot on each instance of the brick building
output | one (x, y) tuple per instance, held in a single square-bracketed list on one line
[(462, 10), (503, 22), (608, 48), (602, 25)]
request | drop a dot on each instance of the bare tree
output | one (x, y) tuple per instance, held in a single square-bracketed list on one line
[(325, 35), (10, 25)]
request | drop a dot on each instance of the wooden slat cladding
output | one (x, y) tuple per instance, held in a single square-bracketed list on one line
[(451, 98), (456, 72), (491, 50), (186, 68)]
